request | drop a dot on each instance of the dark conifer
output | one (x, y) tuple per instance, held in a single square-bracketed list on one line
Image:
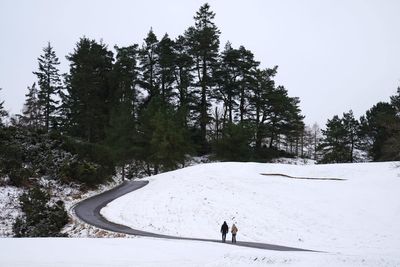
[(49, 82), (149, 65), (163, 140), (32, 110), (258, 102), (166, 61), (247, 66), (203, 40), (183, 78), (121, 133), (89, 90), (395, 101), (377, 128), (340, 139), (352, 127), (333, 144), (228, 81)]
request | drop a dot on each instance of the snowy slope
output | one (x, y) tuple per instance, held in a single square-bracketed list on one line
[(359, 216), (146, 252), (69, 194)]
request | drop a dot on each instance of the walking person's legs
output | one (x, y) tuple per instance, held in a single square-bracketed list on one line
[(223, 237), (233, 238)]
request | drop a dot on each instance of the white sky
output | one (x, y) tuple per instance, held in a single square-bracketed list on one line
[(335, 55)]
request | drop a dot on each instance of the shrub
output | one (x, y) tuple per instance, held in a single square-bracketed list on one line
[(87, 173), (40, 218)]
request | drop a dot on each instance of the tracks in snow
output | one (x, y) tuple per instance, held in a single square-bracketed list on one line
[(304, 178)]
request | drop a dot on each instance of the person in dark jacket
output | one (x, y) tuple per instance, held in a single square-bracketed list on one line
[(224, 230)]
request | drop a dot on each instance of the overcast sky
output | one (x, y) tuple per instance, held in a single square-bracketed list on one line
[(335, 55)]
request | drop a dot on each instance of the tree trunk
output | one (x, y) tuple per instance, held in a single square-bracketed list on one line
[(123, 172), (352, 149), (258, 130), (156, 167), (203, 112), (230, 107), (242, 104), (271, 141), (315, 145), (148, 170), (216, 123)]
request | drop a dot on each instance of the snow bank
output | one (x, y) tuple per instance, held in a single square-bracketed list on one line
[(357, 216)]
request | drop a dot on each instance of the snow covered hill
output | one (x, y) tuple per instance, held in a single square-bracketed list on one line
[(356, 216)]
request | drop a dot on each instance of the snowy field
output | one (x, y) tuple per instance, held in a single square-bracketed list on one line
[(354, 220), (146, 252), (357, 218)]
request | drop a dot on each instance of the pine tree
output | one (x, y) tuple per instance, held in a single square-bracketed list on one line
[(352, 127), (126, 79), (164, 142), (228, 81), (166, 61), (203, 40), (340, 139), (258, 102), (87, 104), (294, 127), (32, 111), (333, 145), (391, 149), (395, 101), (377, 128), (247, 67), (121, 133), (183, 78), (49, 82), (121, 136), (169, 144), (149, 65), (277, 112)]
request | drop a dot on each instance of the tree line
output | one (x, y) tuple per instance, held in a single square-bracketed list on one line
[(145, 108), (373, 137), (151, 105)]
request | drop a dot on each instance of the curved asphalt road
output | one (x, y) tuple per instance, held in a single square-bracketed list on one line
[(88, 211)]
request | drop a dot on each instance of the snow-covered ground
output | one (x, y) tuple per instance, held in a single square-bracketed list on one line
[(138, 252), (69, 194), (358, 217), (354, 220), (9, 208)]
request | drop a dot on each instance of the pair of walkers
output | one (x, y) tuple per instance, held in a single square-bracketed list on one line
[(225, 230)]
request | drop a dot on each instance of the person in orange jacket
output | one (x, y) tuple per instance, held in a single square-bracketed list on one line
[(234, 231)]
